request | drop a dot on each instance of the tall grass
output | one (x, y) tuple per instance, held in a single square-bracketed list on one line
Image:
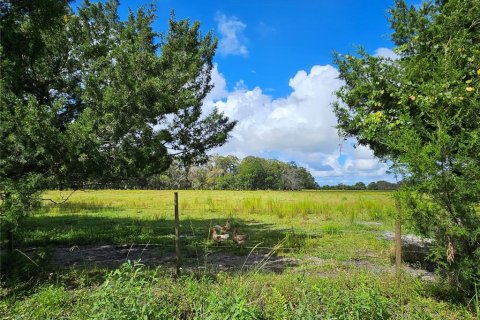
[(326, 227), (328, 204), (134, 292), (134, 216)]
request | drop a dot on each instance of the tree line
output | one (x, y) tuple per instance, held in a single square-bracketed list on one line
[(231, 173), (223, 173), (374, 185)]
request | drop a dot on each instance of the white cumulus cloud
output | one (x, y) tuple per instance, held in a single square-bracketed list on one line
[(298, 127), (232, 38)]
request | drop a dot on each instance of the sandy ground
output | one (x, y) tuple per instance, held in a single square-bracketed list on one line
[(112, 256)]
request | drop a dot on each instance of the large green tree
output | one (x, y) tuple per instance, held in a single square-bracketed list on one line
[(229, 173), (422, 112), (86, 96)]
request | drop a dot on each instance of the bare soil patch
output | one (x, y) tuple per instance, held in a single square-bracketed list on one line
[(112, 256), (108, 255)]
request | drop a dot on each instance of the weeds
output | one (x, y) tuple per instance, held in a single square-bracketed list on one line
[(136, 292), (327, 226)]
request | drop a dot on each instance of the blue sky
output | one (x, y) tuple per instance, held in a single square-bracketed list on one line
[(274, 74), (282, 37)]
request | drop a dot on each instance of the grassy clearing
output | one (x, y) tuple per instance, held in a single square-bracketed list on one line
[(307, 224), (319, 220), (335, 228)]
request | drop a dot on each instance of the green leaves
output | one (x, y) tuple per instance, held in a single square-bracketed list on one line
[(422, 113), (110, 90), (87, 97)]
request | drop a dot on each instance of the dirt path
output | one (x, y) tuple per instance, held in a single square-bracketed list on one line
[(112, 256)]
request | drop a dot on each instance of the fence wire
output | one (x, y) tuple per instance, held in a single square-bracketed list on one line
[(197, 239)]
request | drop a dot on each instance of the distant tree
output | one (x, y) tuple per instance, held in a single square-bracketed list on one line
[(197, 177), (179, 175), (422, 112), (228, 181), (218, 168), (159, 181), (372, 186), (359, 186), (290, 179), (252, 173), (308, 181), (228, 164), (385, 185), (89, 97)]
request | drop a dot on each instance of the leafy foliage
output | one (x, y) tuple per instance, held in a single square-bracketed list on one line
[(229, 173), (89, 97), (134, 292), (421, 111)]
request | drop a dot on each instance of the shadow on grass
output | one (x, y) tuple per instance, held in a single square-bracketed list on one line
[(86, 241), (76, 230), (59, 245)]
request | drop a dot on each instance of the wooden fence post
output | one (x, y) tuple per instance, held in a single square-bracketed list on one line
[(177, 236), (398, 239)]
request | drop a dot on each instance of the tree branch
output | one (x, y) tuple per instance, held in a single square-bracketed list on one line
[(63, 199)]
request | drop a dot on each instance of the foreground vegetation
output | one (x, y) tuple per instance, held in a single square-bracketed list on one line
[(136, 293), (343, 269), (420, 111)]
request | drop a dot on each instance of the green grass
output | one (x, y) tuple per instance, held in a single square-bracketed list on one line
[(133, 292), (310, 224), (327, 219), (327, 231)]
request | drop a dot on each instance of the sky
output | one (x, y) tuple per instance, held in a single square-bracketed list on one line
[(274, 73)]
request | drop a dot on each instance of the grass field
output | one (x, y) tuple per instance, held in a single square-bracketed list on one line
[(331, 261), (321, 220)]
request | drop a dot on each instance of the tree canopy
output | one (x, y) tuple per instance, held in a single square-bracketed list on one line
[(421, 112), (86, 96), (231, 173)]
